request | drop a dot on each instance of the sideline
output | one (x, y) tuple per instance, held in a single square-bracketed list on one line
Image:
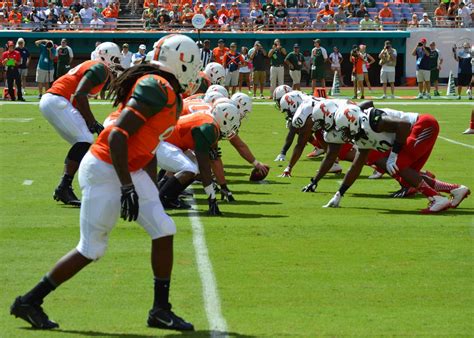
[(456, 142)]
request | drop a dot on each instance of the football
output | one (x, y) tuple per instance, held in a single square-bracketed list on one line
[(256, 175)]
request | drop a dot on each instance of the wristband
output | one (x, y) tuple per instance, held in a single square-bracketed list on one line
[(224, 186), (210, 191), (343, 188), (255, 162), (397, 146)]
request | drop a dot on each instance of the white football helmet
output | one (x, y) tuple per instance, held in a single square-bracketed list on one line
[(347, 120), (109, 53), (279, 92), (224, 100), (211, 97), (244, 103), (178, 54), (323, 114), (228, 118), (218, 88), (216, 73), (290, 102)]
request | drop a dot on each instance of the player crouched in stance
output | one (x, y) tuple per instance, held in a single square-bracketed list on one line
[(117, 178), (66, 107), (410, 138), (198, 133)]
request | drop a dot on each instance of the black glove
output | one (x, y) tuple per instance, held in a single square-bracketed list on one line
[(226, 194), (311, 187), (129, 203), (214, 154), (96, 127), (213, 207)]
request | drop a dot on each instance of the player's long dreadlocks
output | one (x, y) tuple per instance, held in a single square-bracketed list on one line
[(122, 85)]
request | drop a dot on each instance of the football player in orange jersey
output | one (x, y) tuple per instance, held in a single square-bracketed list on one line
[(117, 178), (66, 107)]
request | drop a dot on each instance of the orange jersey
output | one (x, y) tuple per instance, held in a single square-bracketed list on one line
[(155, 91), (219, 54), (67, 84), (193, 106), (182, 136)]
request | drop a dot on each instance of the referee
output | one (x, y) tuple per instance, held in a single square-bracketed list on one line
[(206, 53), (11, 59)]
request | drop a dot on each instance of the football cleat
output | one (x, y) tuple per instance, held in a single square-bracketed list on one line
[(335, 169), (458, 195), (437, 203), (66, 195), (315, 153), (375, 175), (468, 131), (280, 158), (174, 203), (166, 319), (33, 314)]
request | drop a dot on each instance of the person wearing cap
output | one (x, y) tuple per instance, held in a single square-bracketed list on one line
[(149, 16), (233, 60), (206, 53), (65, 56), (45, 68), (11, 60), (211, 9), (413, 23), (220, 51), (234, 12), (361, 12), (340, 15), (139, 56), (295, 62), (423, 69), (366, 24), (425, 22), (25, 61), (464, 58), (435, 64), (277, 56), (319, 56), (385, 12), (388, 61), (223, 11), (126, 60), (465, 14), (258, 56)]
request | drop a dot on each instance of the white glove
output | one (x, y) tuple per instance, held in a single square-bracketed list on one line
[(288, 124), (334, 202), (280, 158), (286, 172), (392, 163)]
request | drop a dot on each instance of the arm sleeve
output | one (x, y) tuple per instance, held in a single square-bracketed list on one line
[(152, 92), (97, 74), (71, 54), (205, 136)]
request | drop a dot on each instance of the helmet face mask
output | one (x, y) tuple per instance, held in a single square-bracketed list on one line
[(347, 120), (289, 103), (243, 102), (216, 73), (279, 92), (109, 54), (228, 118)]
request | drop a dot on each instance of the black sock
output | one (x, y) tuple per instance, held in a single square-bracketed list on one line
[(162, 293), (162, 182), (41, 290), (160, 175), (66, 180), (171, 189)]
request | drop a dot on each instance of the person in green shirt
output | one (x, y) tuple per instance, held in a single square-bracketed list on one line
[(435, 65), (65, 56), (295, 62), (319, 56), (277, 71), (366, 24)]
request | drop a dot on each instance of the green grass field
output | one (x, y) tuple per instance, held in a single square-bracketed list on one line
[(284, 266)]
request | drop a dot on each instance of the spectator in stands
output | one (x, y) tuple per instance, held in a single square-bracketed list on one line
[(126, 56), (318, 23), (440, 14), (465, 14), (378, 25), (149, 16), (233, 60), (464, 58), (326, 12), (220, 51), (86, 14), (245, 70), (206, 53), (357, 72), (366, 23), (234, 12), (368, 60), (388, 61), (436, 61), (323, 4), (280, 13), (139, 57), (211, 10), (294, 24), (452, 12), (425, 22), (76, 6), (336, 59), (471, 5), (257, 56), (255, 13), (385, 12), (413, 23), (369, 3), (96, 22), (403, 24), (423, 69), (63, 22), (340, 15), (11, 60), (146, 3), (295, 62), (65, 57), (76, 23), (110, 14), (72, 14), (201, 11), (14, 18), (45, 68), (334, 3), (50, 22), (25, 61), (222, 10), (319, 57), (291, 3), (212, 22), (259, 23), (361, 12), (331, 25), (175, 15), (163, 17), (52, 8), (98, 8), (277, 56)]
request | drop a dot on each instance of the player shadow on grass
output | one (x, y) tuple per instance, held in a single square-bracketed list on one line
[(450, 212), (225, 214), (199, 333)]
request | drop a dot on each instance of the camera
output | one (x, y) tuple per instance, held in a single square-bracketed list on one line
[(420, 44), (49, 45)]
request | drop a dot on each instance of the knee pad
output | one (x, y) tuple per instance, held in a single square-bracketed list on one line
[(78, 151)]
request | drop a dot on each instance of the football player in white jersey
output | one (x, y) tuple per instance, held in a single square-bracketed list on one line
[(410, 138)]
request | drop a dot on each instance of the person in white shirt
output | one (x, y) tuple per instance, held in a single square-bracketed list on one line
[(323, 4), (426, 22), (139, 57), (96, 23), (336, 59), (93, 54), (51, 9), (126, 56), (255, 13), (388, 61), (465, 14), (86, 13)]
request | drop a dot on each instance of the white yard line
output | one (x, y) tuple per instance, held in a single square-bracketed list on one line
[(27, 182), (456, 142), (14, 119), (210, 294)]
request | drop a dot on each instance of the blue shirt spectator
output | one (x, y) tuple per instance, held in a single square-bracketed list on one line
[(45, 60), (464, 61), (422, 59)]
